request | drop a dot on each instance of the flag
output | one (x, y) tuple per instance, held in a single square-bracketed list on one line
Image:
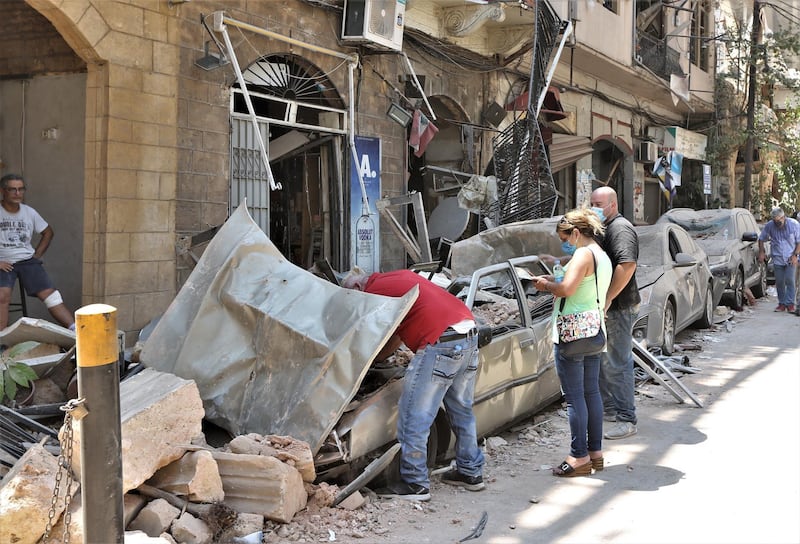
[(422, 132), (662, 170)]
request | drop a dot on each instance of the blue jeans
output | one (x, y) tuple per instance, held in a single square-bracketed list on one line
[(616, 371), (784, 283), (580, 382), (444, 371)]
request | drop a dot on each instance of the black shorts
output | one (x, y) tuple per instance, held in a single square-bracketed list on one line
[(32, 276)]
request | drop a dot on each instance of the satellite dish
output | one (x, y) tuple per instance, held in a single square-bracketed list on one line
[(448, 220)]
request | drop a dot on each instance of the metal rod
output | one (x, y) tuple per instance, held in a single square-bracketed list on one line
[(235, 62), (97, 350)]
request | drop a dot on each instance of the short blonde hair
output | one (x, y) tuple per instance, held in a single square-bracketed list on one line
[(355, 278)]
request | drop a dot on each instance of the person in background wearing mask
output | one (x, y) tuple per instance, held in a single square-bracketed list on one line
[(783, 234), (622, 306), (18, 258)]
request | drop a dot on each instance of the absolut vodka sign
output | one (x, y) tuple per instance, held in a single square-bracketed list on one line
[(364, 222)]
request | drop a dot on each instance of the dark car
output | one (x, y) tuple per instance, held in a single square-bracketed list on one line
[(729, 236), (675, 284)]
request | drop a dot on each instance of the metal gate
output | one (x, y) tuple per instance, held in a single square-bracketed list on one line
[(249, 178)]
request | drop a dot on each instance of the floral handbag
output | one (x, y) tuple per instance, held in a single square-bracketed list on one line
[(581, 333)]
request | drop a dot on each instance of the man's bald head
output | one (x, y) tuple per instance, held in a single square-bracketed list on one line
[(606, 198)]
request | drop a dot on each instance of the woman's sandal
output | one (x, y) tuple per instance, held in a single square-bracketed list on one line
[(568, 471), (598, 464)]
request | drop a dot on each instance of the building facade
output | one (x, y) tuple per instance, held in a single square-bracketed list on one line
[(130, 124)]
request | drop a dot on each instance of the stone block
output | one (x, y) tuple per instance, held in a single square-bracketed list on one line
[(195, 476), (140, 537), (258, 484), (155, 518), (296, 453), (26, 494), (353, 502), (190, 530), (160, 414), (132, 504)]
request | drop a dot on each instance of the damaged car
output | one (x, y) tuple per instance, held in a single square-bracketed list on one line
[(730, 239), (275, 349), (675, 284)]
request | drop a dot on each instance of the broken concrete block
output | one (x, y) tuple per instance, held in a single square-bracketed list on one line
[(195, 476), (26, 496), (353, 502), (139, 537), (260, 484), (131, 506), (289, 450), (155, 518), (160, 413), (190, 530)]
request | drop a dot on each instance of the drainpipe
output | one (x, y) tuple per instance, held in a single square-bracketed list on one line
[(751, 105)]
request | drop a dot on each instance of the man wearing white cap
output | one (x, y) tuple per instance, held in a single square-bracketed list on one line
[(783, 233)]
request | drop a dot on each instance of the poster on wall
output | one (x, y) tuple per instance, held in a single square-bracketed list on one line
[(583, 187), (364, 222)]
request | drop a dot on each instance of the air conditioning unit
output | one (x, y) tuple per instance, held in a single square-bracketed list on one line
[(648, 152), (375, 23)]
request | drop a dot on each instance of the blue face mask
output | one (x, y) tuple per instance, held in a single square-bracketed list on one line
[(567, 248), (600, 214)]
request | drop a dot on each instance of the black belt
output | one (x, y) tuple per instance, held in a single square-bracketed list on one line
[(451, 335)]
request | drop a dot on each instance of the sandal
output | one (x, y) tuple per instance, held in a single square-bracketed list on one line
[(598, 464), (567, 470)]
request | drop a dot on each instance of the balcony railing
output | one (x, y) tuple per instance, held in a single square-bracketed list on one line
[(657, 56)]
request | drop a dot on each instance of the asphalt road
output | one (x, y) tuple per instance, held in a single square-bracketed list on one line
[(726, 473)]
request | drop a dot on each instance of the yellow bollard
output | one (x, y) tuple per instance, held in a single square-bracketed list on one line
[(97, 353)]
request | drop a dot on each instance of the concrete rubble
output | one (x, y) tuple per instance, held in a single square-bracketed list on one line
[(205, 494)]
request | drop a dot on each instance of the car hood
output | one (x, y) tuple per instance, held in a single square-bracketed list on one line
[(647, 275), (272, 348)]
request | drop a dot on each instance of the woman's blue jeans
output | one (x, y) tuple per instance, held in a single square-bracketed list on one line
[(442, 372), (580, 382)]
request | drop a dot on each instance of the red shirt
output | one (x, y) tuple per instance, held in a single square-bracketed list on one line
[(434, 310)]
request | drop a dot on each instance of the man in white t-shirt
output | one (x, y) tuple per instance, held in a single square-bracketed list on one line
[(19, 259)]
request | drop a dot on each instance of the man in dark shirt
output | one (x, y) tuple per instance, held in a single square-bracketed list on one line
[(622, 306), (441, 331)]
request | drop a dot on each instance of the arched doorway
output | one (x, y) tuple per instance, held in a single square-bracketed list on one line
[(612, 165), (301, 119)]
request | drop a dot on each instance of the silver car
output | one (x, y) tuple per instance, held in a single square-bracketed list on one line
[(675, 283), (729, 237)]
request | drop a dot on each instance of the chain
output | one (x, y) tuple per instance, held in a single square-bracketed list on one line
[(64, 470)]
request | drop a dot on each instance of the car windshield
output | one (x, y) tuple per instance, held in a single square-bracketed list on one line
[(706, 227), (651, 249)]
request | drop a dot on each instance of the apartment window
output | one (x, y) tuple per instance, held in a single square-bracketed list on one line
[(611, 5), (701, 32)]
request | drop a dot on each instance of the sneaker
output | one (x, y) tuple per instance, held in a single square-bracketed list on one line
[(470, 483), (780, 308), (404, 491), (622, 429), (790, 308), (609, 417)]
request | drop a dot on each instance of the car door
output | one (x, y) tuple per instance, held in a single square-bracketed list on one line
[(749, 249), (691, 279)]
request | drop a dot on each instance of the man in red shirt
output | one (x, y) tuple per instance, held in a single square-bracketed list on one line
[(441, 331)]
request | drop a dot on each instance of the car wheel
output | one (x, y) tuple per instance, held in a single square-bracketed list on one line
[(760, 289), (708, 310), (668, 345), (737, 303)]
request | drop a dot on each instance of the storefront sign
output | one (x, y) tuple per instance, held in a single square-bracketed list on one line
[(364, 221), (691, 145), (706, 179)]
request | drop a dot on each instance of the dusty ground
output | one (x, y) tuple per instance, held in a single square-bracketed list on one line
[(532, 446)]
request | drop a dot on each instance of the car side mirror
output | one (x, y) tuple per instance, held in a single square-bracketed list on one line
[(684, 259), (750, 237)]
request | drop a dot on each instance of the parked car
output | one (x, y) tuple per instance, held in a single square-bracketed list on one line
[(730, 239), (275, 349), (675, 283)]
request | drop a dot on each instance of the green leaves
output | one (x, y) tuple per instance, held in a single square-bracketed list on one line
[(14, 374)]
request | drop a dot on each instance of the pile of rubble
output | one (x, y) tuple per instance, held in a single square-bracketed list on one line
[(176, 487)]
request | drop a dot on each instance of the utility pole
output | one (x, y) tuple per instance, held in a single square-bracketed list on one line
[(751, 105)]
